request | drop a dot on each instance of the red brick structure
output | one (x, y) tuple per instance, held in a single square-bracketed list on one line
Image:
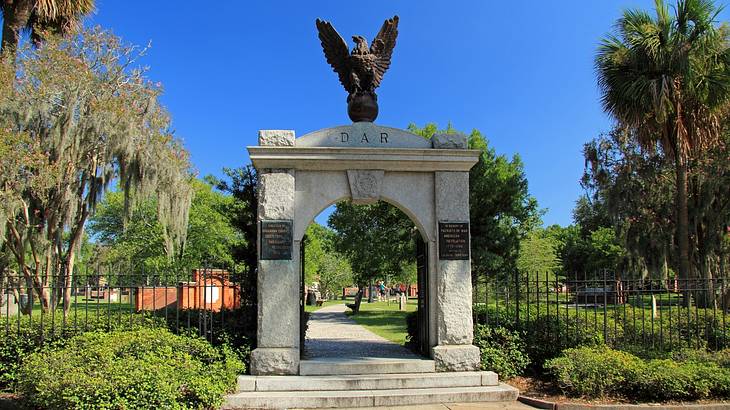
[(155, 298), (210, 289)]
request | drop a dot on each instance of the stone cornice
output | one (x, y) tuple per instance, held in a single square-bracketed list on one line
[(387, 159)]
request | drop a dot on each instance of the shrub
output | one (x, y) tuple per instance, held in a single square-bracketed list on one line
[(147, 368), (235, 328), (496, 316), (548, 336), (665, 379), (502, 350), (720, 358), (595, 371), (24, 336)]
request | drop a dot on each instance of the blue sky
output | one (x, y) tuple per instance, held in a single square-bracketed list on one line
[(520, 72)]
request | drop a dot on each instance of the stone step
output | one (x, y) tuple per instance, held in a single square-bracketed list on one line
[(321, 367), (367, 381), (368, 398)]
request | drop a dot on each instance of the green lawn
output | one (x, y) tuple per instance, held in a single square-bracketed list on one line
[(82, 306), (385, 319)]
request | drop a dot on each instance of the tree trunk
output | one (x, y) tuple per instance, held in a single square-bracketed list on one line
[(70, 260), (683, 228), (16, 17)]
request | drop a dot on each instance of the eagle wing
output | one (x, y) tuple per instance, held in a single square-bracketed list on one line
[(382, 48), (336, 52)]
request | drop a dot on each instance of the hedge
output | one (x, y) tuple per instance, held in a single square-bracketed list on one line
[(146, 368), (594, 372)]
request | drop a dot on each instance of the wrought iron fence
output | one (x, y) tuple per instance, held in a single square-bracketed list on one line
[(646, 315), (205, 301)]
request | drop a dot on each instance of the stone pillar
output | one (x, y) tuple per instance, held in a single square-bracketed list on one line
[(454, 325), (277, 351)]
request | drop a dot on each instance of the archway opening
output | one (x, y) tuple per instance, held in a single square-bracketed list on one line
[(364, 277)]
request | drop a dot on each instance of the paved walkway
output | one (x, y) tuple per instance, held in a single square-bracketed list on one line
[(332, 334), (500, 405)]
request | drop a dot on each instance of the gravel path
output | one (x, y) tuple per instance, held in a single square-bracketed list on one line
[(332, 334)]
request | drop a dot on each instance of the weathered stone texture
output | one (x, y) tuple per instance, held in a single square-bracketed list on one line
[(490, 379), (278, 318), (363, 135), (277, 138), (452, 196), (365, 185), (449, 141), (276, 194), (458, 358), (453, 307), (268, 361)]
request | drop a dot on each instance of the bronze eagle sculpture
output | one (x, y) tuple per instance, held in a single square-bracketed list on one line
[(362, 69)]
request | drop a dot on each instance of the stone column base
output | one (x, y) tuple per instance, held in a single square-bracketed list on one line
[(456, 358), (275, 361)]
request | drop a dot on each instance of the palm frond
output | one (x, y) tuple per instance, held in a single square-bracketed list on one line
[(68, 9)]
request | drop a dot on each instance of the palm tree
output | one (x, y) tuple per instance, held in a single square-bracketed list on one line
[(666, 78), (40, 17)]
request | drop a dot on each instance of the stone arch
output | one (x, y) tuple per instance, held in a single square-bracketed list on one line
[(426, 179), (317, 198)]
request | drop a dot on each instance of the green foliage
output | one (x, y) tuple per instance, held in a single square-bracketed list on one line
[(323, 264), (595, 372), (546, 336), (241, 184), (138, 239), (586, 249), (93, 119), (26, 336), (130, 369), (502, 211), (720, 358), (538, 257), (665, 78), (234, 329), (670, 380), (502, 350), (376, 239), (600, 371)]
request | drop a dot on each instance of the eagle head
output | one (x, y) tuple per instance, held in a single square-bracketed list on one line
[(361, 45)]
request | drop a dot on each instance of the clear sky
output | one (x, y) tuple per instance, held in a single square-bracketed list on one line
[(519, 71)]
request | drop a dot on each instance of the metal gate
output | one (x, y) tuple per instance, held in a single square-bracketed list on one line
[(423, 316), (302, 298)]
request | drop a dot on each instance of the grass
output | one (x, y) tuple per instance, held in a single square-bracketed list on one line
[(384, 319)]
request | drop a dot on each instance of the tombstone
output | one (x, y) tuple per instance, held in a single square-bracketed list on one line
[(402, 302), (8, 305)]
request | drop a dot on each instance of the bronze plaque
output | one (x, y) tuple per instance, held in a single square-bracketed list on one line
[(454, 240), (276, 240)]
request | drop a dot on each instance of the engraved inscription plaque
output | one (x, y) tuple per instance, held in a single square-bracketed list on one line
[(276, 240), (454, 240)]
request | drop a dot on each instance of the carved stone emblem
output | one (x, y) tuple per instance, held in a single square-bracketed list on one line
[(365, 185)]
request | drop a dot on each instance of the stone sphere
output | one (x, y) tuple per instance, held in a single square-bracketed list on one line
[(362, 107)]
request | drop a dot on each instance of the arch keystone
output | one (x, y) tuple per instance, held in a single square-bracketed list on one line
[(365, 185)]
